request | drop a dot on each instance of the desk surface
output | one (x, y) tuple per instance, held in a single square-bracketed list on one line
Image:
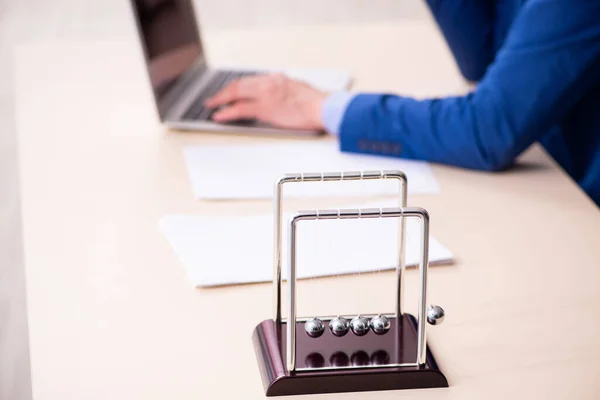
[(113, 316)]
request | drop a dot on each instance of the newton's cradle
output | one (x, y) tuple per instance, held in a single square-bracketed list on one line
[(309, 355)]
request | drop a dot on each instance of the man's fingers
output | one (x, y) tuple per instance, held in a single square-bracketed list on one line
[(238, 110), (241, 89), (227, 95)]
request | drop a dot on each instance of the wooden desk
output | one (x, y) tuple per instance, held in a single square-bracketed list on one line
[(113, 316)]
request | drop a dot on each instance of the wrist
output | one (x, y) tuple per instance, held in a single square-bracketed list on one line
[(315, 111), (333, 109)]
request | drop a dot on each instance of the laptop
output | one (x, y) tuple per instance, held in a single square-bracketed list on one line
[(182, 78)]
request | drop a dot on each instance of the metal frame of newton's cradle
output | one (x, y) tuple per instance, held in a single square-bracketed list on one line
[(276, 341)]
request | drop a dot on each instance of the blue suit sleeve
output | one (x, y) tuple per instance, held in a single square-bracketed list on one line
[(540, 73), (467, 26)]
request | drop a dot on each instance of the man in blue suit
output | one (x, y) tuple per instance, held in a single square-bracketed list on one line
[(538, 67)]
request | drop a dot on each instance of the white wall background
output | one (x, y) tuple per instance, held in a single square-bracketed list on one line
[(60, 17)]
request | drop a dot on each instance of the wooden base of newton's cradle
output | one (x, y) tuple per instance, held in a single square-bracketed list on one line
[(316, 357)]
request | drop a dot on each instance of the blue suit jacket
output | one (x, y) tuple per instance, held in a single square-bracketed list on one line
[(538, 63)]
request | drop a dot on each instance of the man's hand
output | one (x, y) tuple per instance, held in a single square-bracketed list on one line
[(274, 99)]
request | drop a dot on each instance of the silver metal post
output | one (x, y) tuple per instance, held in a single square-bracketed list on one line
[(291, 322), (277, 250), (423, 267), (401, 266), (395, 212), (332, 177)]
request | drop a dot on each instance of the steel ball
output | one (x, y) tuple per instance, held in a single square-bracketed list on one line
[(359, 326), (380, 324), (339, 326), (435, 315), (314, 327)]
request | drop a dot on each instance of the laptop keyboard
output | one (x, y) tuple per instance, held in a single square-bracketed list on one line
[(197, 111)]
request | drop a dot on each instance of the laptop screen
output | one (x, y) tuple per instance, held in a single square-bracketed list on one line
[(170, 39)]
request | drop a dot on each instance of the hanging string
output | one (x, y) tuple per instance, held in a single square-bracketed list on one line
[(333, 224), (364, 190), (315, 259)]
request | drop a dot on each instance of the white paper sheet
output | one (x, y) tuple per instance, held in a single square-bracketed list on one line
[(249, 171), (225, 250)]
